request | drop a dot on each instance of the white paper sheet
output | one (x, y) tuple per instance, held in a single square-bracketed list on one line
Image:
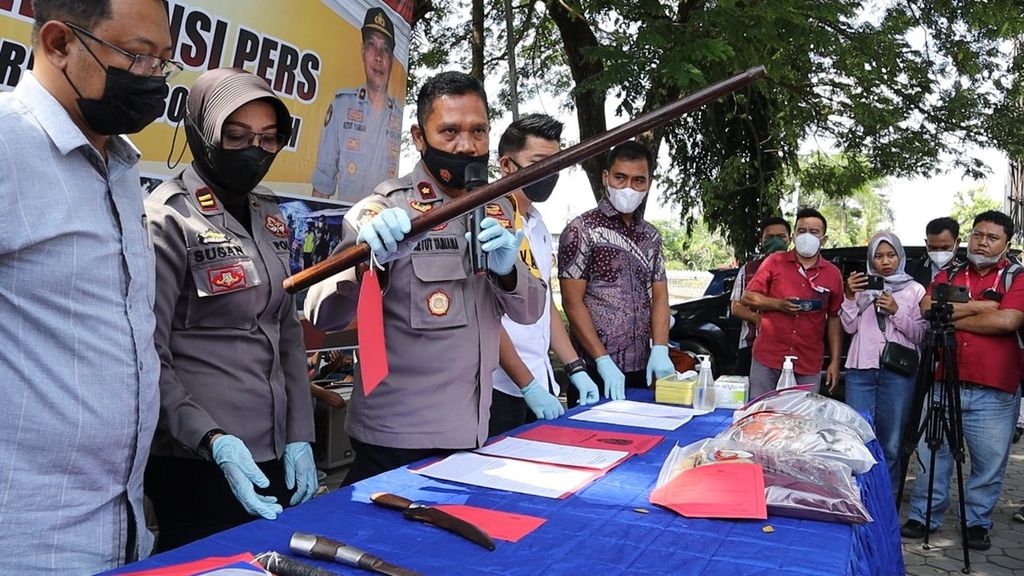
[(648, 409), (549, 453), (627, 419), (513, 475)]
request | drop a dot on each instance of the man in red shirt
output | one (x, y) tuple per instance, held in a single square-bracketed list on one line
[(989, 363), (798, 294)]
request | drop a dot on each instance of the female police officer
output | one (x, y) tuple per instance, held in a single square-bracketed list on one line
[(235, 411)]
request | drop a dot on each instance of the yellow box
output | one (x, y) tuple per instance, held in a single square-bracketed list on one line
[(674, 390)]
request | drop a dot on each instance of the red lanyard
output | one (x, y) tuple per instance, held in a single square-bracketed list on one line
[(999, 275)]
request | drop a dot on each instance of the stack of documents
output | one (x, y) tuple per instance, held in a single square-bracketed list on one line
[(537, 467), (639, 414)]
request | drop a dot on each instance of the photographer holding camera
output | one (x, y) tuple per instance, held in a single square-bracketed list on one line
[(882, 312), (989, 364)]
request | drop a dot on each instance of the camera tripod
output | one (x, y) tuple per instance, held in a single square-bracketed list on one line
[(938, 399)]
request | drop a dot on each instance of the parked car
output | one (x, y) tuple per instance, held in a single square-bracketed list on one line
[(705, 325)]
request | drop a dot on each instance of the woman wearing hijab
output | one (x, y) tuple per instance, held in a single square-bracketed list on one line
[(236, 417), (874, 318)]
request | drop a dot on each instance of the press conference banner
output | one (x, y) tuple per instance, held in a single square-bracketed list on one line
[(345, 94)]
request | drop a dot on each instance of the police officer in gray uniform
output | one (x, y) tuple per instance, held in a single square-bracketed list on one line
[(441, 320), (362, 135), (235, 410)]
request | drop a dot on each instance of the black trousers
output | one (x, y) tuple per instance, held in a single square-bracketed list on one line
[(636, 379), (192, 499), (372, 459), (508, 412)]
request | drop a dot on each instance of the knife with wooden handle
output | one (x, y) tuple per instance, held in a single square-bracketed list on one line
[(430, 515)]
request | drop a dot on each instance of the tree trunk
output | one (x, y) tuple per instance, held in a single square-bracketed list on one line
[(477, 41), (577, 39)]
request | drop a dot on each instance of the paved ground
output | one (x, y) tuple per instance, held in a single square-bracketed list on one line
[(1006, 557)]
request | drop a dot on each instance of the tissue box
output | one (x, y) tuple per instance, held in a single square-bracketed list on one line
[(731, 391), (675, 389)]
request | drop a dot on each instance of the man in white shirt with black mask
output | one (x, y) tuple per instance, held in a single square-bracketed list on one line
[(524, 386)]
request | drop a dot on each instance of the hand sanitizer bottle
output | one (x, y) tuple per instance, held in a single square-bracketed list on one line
[(704, 393), (787, 379)]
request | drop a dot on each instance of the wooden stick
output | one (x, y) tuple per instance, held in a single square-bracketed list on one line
[(451, 210)]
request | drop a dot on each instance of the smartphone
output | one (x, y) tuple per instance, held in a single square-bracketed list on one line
[(808, 305), (875, 283), (991, 294)]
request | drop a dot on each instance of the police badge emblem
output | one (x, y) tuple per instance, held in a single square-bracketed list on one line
[(438, 303), (276, 227)]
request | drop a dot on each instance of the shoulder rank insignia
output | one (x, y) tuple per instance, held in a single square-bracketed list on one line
[(362, 93), (330, 113), (426, 191), (207, 201), (212, 236), (438, 303), (276, 227)]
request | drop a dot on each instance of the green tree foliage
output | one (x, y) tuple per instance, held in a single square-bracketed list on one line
[(896, 85), (696, 248), (854, 210), (968, 204)]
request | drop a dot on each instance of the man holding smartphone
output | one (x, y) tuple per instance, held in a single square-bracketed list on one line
[(798, 294), (989, 364)]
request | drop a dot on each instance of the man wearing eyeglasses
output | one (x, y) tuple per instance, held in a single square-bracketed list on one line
[(362, 134), (78, 369)]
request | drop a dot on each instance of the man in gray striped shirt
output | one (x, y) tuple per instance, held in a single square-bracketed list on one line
[(78, 370)]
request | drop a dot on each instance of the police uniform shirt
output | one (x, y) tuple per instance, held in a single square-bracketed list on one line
[(359, 146), (229, 340), (440, 325)]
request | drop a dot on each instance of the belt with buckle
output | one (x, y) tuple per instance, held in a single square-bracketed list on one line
[(964, 385)]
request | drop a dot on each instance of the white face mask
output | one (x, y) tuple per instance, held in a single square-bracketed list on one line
[(807, 244), (940, 257), (625, 200)]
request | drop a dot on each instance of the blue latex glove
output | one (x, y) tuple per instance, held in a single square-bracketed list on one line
[(542, 402), (588, 390), (383, 233), (614, 379), (659, 363), (236, 462), (501, 246), (299, 466)]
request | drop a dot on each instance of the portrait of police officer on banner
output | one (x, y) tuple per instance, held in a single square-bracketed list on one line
[(362, 134)]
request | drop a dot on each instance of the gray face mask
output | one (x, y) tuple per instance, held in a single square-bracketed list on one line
[(982, 261)]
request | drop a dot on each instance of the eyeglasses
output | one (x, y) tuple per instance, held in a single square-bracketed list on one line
[(237, 138), (143, 65)]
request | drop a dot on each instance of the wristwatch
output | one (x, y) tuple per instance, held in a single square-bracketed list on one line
[(206, 444), (577, 365)]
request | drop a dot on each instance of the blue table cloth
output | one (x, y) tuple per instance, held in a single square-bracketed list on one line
[(595, 531)]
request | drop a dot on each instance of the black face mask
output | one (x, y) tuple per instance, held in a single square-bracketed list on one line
[(238, 171), (448, 168), (540, 190), (129, 103)]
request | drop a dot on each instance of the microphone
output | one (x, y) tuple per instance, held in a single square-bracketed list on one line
[(476, 176)]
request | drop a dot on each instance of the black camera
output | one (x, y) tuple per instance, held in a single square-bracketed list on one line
[(950, 293)]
